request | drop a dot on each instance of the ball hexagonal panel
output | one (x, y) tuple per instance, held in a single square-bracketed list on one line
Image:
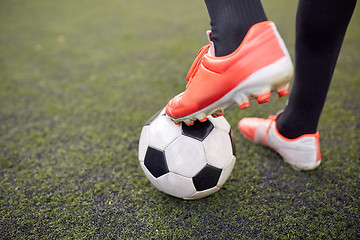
[(220, 123), (153, 117), (218, 148), (185, 156), (155, 162), (226, 172), (162, 131), (199, 131), (143, 143), (201, 194), (176, 185), (207, 178)]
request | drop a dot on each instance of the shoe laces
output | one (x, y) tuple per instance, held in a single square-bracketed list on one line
[(271, 118), (197, 62)]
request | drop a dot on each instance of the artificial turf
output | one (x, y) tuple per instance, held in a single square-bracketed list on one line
[(78, 79)]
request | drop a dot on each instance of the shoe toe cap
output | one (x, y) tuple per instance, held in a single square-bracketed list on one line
[(174, 105), (248, 126)]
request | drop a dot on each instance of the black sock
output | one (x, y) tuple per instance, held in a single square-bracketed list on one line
[(320, 30), (230, 21)]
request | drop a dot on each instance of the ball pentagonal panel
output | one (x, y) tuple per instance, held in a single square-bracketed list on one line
[(231, 135), (199, 131), (185, 156), (207, 178), (155, 162), (149, 175)]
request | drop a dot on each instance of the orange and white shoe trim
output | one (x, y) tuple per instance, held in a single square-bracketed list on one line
[(302, 153), (259, 65)]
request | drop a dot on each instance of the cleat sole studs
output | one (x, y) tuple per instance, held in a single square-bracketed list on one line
[(282, 89), (203, 119), (189, 122), (217, 113), (244, 105), (175, 122), (283, 92), (263, 98)]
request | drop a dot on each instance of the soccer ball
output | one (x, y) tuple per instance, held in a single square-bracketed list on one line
[(188, 162)]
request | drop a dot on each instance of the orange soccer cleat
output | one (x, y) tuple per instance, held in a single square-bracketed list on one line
[(259, 65), (302, 153)]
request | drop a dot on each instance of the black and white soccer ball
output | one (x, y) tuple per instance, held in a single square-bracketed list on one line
[(188, 162)]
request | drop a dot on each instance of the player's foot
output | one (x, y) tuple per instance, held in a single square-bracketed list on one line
[(259, 65), (302, 153)]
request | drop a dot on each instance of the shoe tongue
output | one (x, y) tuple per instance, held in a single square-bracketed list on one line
[(212, 46)]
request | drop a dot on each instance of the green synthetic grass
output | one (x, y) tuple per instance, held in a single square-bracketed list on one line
[(77, 81)]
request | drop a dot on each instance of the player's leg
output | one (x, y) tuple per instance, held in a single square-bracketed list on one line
[(230, 20), (246, 58), (320, 30)]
